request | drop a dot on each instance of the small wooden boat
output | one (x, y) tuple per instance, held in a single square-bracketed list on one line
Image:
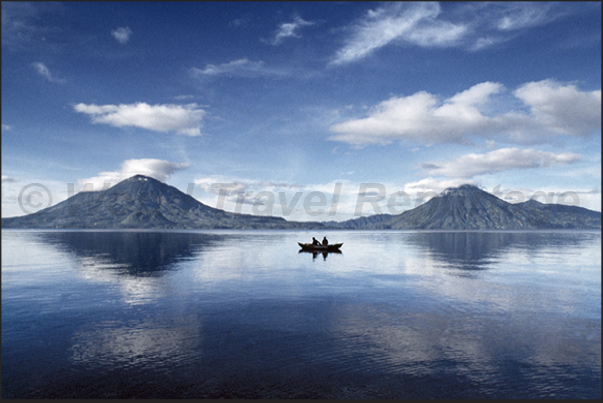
[(320, 248)]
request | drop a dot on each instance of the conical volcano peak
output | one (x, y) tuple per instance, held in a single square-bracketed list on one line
[(144, 189), (463, 190), (141, 181), (140, 177)]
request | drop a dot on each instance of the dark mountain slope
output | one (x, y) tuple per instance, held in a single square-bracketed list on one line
[(469, 208), (465, 207), (142, 202)]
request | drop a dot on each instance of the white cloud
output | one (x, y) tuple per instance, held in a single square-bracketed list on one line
[(497, 22), (431, 186), (472, 26), (414, 23), (236, 68), (184, 97), (563, 109), (289, 29), (6, 127), (43, 71), (482, 43), (504, 159), (520, 15), (122, 34), (25, 23), (154, 168), (421, 117), (239, 22), (181, 119), (341, 199), (554, 109), (8, 179), (277, 198), (578, 196), (232, 187)]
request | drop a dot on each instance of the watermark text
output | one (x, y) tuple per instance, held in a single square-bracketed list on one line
[(370, 198)]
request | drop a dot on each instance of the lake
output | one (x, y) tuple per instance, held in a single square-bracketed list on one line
[(244, 314)]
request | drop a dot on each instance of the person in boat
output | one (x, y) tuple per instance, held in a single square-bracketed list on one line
[(325, 242), (315, 241)]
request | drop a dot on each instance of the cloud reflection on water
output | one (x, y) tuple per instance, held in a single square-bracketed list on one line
[(395, 303), (149, 344), (139, 261)]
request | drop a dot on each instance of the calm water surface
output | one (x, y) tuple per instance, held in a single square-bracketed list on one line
[(243, 314)]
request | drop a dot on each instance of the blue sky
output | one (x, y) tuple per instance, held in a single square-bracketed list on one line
[(379, 104)]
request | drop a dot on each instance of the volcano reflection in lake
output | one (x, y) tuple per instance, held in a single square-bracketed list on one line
[(243, 314)]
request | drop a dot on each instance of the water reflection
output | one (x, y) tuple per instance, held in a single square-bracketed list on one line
[(529, 356), (151, 344), (469, 250), (324, 253), (132, 253), (133, 262), (479, 250), (223, 315)]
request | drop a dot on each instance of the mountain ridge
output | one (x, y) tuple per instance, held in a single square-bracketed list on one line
[(469, 208), (146, 203)]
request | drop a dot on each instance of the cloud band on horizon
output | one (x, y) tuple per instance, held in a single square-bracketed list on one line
[(504, 159)]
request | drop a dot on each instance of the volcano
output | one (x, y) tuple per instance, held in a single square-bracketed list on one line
[(144, 203), (469, 208)]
